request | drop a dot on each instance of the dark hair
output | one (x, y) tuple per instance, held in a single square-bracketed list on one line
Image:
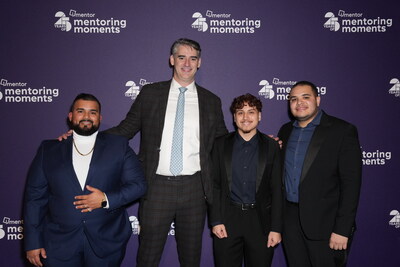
[(84, 96), (313, 87), (184, 41), (248, 99)]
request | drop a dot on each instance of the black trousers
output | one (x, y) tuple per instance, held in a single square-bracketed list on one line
[(246, 241), (172, 199), (303, 252)]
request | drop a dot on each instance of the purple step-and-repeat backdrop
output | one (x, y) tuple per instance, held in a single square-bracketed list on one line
[(53, 50)]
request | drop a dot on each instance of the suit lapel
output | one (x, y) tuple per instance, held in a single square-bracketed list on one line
[(203, 119), (284, 136), (99, 147), (228, 148), (67, 159), (162, 102), (320, 133), (262, 159)]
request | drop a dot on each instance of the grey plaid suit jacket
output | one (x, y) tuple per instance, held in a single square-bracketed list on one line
[(147, 115)]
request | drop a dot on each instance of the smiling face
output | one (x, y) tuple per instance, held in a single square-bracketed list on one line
[(303, 104), (85, 117), (185, 61), (247, 119)]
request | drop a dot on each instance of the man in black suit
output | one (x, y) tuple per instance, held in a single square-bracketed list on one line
[(246, 213), (175, 195), (322, 176)]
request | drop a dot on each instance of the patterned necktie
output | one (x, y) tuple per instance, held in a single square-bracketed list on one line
[(176, 165)]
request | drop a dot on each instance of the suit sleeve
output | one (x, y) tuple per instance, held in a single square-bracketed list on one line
[(221, 128), (350, 165), (215, 207), (276, 191), (35, 203), (132, 122), (133, 183)]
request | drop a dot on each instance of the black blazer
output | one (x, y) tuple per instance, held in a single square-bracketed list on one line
[(331, 178), (268, 184), (147, 115)]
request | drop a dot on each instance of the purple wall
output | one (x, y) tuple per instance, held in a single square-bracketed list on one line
[(350, 49)]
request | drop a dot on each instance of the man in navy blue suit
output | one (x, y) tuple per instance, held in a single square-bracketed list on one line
[(76, 194)]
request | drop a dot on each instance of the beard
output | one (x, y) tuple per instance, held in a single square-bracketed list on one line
[(308, 116), (303, 118), (85, 130)]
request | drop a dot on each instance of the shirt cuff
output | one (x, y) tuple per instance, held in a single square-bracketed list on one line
[(108, 203)]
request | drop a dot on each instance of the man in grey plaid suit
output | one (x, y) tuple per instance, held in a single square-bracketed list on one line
[(182, 197)]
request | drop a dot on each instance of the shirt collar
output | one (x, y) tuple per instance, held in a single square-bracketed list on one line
[(239, 139), (315, 122), (84, 139), (175, 86)]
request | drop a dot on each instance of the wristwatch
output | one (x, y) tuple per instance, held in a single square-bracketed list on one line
[(104, 201)]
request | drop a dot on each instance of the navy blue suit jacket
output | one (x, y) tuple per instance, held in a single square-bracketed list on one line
[(51, 221)]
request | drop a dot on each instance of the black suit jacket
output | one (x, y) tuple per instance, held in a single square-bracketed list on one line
[(268, 184), (147, 115), (331, 178)]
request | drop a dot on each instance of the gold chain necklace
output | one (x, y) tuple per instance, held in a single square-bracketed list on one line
[(80, 152)]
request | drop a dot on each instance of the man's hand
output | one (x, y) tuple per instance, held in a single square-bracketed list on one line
[(277, 140), (220, 231), (274, 239), (87, 203), (64, 136), (34, 256), (338, 242)]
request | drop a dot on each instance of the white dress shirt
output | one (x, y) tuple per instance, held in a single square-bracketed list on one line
[(82, 163), (191, 131)]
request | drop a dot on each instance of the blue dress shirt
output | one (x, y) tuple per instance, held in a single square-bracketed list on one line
[(296, 150)]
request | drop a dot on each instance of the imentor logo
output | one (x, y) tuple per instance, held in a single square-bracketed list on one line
[(200, 23), (133, 90), (63, 22), (395, 90), (332, 22), (266, 90)]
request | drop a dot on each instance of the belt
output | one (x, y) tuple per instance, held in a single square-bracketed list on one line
[(292, 203), (244, 206), (177, 178)]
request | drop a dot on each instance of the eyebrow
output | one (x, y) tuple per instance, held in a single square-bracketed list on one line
[(87, 109), (250, 109), (300, 95), (190, 56)]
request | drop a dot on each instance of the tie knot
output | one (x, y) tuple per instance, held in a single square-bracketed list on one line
[(182, 89)]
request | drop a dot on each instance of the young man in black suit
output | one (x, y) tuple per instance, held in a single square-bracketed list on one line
[(322, 177), (246, 213)]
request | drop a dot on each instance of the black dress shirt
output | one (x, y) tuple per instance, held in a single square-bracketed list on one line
[(244, 169)]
